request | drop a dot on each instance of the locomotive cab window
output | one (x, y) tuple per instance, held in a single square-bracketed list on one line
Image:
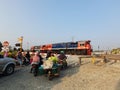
[(82, 44)]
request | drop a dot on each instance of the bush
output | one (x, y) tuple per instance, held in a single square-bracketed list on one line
[(11, 54)]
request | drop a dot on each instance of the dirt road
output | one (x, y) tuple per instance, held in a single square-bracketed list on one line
[(86, 77)]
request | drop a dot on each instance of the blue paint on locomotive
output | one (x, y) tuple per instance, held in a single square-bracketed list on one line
[(65, 45), (71, 45), (59, 45)]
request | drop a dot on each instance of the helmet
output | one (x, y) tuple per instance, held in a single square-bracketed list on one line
[(61, 51)]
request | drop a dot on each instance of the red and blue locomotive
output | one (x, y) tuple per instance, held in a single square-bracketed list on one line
[(78, 47)]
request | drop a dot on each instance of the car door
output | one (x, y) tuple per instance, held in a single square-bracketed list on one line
[(2, 63)]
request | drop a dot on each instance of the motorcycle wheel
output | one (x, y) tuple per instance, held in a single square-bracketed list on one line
[(34, 73), (50, 77)]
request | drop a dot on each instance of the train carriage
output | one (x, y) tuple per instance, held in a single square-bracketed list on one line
[(78, 47)]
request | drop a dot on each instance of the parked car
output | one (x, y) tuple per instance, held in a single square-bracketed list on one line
[(7, 65)]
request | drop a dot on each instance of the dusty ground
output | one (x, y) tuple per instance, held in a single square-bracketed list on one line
[(88, 76)]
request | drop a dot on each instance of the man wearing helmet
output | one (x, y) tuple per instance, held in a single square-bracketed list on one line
[(62, 55)]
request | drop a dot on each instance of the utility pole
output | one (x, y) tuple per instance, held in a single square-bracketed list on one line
[(27, 45), (72, 39), (21, 42), (98, 48)]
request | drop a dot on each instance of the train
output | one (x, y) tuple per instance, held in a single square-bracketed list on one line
[(78, 47)]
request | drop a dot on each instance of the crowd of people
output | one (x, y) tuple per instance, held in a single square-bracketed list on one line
[(23, 58), (37, 59)]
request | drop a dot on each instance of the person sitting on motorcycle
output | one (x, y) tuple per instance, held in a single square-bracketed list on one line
[(62, 56), (41, 58), (53, 58), (62, 59), (48, 54), (35, 61)]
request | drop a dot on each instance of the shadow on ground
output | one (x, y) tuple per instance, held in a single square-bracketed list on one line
[(49, 85)]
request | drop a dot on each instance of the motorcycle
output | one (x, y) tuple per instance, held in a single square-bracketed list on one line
[(50, 69), (63, 63), (54, 71), (34, 69)]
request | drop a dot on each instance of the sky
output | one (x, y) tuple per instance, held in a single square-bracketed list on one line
[(52, 21)]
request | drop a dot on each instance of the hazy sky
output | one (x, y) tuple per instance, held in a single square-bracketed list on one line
[(52, 21)]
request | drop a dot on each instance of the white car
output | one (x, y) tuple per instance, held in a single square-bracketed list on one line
[(7, 65)]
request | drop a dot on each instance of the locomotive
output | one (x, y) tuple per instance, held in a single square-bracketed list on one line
[(78, 47)]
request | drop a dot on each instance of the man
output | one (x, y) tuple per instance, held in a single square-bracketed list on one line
[(19, 57), (48, 54), (35, 61), (28, 56), (53, 58), (62, 56), (62, 59), (41, 59)]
